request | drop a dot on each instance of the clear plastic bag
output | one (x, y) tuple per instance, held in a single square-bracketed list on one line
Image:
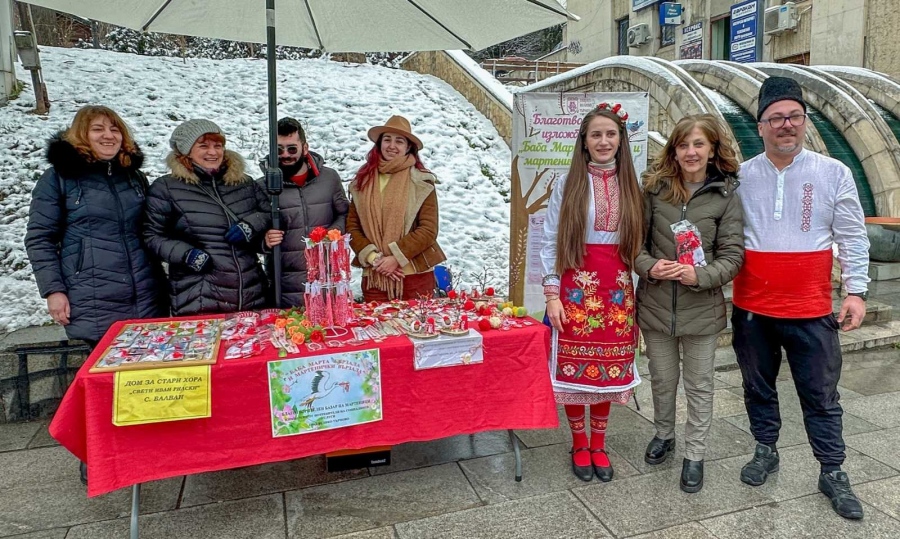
[(688, 244)]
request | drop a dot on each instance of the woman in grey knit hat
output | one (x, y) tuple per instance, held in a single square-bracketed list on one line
[(206, 219)]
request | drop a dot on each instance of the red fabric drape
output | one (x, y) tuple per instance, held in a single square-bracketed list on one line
[(510, 390)]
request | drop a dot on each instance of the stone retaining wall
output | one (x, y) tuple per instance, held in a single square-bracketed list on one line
[(442, 66)]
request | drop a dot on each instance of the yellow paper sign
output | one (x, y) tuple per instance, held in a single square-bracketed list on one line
[(157, 395)]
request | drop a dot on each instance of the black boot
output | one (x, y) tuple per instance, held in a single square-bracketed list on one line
[(691, 475), (658, 450), (604, 473), (585, 473), (82, 468), (764, 462), (836, 485)]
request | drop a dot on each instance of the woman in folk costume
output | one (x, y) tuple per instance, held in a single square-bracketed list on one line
[(393, 218), (592, 235)]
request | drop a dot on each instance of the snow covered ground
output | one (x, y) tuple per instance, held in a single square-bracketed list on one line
[(337, 103)]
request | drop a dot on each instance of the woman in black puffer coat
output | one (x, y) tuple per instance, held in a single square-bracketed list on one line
[(205, 219), (84, 227)]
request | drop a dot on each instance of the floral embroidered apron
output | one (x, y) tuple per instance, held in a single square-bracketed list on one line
[(596, 352)]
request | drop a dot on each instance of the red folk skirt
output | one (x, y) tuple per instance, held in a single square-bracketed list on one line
[(593, 358)]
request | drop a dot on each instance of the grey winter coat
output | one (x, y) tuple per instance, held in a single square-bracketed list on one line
[(83, 239), (185, 211), (321, 201), (668, 306)]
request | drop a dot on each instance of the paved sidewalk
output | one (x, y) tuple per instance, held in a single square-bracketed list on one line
[(463, 487)]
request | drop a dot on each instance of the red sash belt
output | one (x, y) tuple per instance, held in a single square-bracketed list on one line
[(785, 285)]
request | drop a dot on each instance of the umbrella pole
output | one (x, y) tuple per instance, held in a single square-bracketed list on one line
[(274, 178)]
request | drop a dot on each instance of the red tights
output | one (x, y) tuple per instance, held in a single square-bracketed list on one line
[(599, 418)]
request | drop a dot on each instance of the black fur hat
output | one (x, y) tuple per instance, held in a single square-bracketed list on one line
[(775, 89)]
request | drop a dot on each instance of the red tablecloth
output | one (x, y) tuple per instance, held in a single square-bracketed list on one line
[(510, 390)]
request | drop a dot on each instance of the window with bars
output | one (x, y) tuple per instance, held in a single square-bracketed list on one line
[(622, 25)]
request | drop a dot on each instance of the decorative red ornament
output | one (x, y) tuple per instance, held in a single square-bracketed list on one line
[(616, 107), (317, 336), (484, 324), (489, 291), (451, 294), (475, 293), (624, 116), (318, 234), (412, 303), (469, 305)]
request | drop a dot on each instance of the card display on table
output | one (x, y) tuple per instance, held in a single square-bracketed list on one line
[(325, 392), (162, 344), (445, 351)]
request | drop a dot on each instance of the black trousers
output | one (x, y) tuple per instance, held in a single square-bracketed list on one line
[(814, 356)]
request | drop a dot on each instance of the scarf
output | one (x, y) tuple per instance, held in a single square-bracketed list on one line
[(382, 214)]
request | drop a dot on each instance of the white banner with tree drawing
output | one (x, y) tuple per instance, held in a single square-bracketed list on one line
[(545, 127)]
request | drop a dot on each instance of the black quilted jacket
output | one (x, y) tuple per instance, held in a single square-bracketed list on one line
[(185, 210), (83, 239)]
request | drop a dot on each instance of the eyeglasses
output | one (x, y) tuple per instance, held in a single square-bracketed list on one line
[(293, 149), (777, 122)]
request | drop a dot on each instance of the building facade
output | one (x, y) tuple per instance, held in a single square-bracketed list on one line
[(860, 33)]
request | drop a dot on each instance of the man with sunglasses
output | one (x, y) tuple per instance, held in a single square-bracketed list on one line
[(313, 196), (797, 205)]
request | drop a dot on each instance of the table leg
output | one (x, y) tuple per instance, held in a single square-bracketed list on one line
[(515, 444), (135, 509)]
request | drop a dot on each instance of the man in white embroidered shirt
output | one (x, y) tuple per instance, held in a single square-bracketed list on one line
[(797, 205)]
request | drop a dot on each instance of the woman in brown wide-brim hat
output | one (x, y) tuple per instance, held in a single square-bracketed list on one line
[(393, 218)]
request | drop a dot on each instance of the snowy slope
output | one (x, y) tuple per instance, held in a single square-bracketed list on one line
[(337, 102)]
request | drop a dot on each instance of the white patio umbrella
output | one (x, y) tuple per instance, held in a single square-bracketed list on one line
[(331, 25)]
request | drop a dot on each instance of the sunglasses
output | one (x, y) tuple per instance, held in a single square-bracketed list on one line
[(293, 149)]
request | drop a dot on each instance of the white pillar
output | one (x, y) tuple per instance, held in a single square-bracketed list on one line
[(7, 51)]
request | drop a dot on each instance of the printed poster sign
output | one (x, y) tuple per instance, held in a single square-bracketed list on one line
[(159, 395), (691, 42), (746, 45), (325, 392), (545, 126), (535, 244)]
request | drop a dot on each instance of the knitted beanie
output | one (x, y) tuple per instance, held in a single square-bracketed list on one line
[(186, 134), (775, 89)]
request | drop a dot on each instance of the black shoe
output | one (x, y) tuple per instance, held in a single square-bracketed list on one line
[(585, 473), (604, 473), (82, 468), (836, 485), (658, 450), (764, 462), (691, 475)]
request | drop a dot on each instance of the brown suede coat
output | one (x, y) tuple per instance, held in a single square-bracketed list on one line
[(418, 247)]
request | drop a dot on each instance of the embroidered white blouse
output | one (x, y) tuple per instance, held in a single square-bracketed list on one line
[(608, 198), (808, 206)]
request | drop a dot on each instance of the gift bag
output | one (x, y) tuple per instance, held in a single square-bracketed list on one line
[(688, 246)]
